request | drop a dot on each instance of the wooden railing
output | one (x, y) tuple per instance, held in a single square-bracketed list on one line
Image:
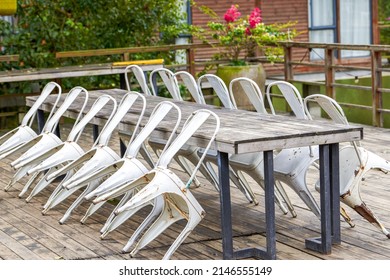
[(329, 65), (291, 68)]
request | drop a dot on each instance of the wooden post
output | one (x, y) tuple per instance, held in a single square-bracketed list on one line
[(329, 73), (288, 69), (376, 84)]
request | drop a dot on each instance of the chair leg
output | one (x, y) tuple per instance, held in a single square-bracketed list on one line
[(20, 173), (183, 162), (108, 226), (168, 216), (346, 217), (192, 222), (91, 186), (353, 200), (158, 205), (30, 182), (57, 189), (91, 210), (282, 192)]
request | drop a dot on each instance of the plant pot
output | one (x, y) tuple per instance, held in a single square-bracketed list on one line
[(254, 72)]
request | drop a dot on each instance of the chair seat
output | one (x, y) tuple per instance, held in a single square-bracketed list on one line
[(247, 161)]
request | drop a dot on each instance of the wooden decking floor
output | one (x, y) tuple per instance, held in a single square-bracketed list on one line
[(27, 234)]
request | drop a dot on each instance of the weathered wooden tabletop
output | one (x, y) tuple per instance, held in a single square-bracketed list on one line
[(241, 131)]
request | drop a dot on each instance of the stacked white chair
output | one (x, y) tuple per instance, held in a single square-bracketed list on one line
[(355, 162), (168, 192), (47, 139), (96, 158), (65, 152), (187, 157), (252, 163), (225, 97), (129, 167), (291, 165), (141, 80), (24, 132)]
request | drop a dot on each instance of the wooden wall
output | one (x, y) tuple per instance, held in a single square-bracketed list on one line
[(272, 11)]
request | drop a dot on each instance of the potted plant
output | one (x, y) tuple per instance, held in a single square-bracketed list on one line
[(239, 40)]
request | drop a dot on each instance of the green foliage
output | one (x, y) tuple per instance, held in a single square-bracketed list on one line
[(240, 37), (384, 16), (45, 27)]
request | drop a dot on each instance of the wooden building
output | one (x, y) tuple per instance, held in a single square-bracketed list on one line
[(327, 21)]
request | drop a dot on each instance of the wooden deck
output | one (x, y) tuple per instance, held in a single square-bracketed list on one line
[(26, 234)]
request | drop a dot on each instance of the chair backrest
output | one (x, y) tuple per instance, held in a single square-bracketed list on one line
[(291, 95), (334, 111), (329, 105), (96, 107), (169, 80), (252, 91), (139, 76), (189, 82), (193, 123), (160, 112), (219, 87), (47, 90), (71, 97), (123, 108)]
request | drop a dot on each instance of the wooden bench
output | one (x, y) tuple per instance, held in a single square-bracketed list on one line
[(76, 71)]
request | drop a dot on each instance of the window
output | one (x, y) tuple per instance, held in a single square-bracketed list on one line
[(353, 27)]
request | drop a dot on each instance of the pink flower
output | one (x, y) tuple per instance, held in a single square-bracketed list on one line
[(255, 17), (248, 31), (388, 18), (232, 14)]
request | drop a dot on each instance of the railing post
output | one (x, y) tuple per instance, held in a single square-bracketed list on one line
[(288, 69), (376, 84), (329, 73), (190, 61)]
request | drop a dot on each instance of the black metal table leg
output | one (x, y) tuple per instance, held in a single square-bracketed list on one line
[(41, 120), (270, 204), (330, 203), (95, 131), (335, 193), (226, 210), (226, 214)]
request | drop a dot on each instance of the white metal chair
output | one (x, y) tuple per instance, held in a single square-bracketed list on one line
[(252, 163), (47, 139), (188, 81), (24, 132), (174, 197), (128, 167), (355, 162), (139, 76), (187, 156), (169, 81), (64, 152), (228, 102), (96, 158), (291, 165)]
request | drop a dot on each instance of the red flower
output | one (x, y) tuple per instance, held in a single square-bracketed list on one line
[(232, 14), (255, 17)]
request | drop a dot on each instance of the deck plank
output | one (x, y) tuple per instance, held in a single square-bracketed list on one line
[(26, 234)]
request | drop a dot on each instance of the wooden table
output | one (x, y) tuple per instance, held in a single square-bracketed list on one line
[(243, 132)]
